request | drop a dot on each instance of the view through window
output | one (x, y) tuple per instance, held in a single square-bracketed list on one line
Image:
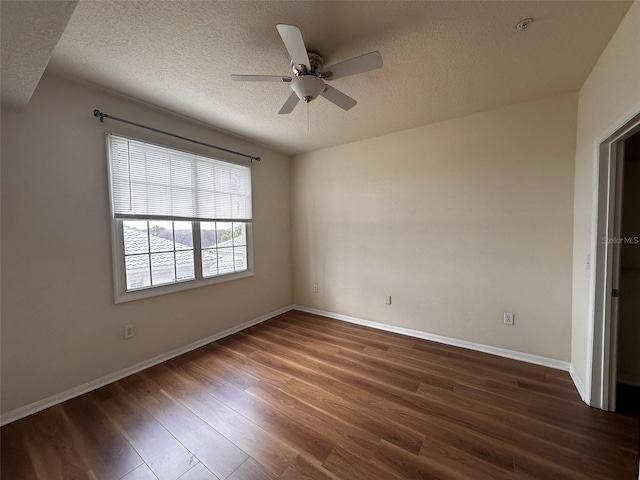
[(158, 252), (180, 219)]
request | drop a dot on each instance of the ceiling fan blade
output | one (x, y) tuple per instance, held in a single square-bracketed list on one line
[(340, 99), (260, 78), (363, 63), (292, 39), (289, 105)]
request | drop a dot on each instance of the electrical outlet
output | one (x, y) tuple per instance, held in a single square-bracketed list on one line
[(315, 288), (387, 300), (129, 332), (508, 318)]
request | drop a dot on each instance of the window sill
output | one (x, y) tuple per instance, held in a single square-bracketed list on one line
[(122, 297)]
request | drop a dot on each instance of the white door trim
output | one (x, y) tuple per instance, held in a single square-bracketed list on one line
[(602, 324)]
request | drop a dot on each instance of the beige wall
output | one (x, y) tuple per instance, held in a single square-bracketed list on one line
[(458, 221), (60, 327), (609, 95)]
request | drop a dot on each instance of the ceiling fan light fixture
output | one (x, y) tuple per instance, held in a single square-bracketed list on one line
[(307, 87), (307, 66)]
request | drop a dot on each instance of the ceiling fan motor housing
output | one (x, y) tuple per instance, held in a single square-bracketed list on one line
[(307, 65), (315, 61), (307, 87)]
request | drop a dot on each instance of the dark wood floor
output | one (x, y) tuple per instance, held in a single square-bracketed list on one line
[(305, 397)]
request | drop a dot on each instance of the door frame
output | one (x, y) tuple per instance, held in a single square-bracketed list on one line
[(602, 348)]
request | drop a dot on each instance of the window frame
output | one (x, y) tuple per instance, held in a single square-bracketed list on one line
[(121, 294)]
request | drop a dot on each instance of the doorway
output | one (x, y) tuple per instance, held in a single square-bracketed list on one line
[(615, 294), (627, 360)]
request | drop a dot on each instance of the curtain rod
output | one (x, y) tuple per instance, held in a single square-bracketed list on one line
[(102, 116)]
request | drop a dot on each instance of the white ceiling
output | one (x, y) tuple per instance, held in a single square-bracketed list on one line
[(30, 31), (441, 59)]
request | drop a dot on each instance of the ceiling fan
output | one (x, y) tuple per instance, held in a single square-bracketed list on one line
[(309, 76)]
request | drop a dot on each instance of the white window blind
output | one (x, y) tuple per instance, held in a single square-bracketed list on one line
[(149, 181)]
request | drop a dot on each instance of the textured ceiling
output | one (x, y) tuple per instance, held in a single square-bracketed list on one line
[(29, 33), (441, 59)]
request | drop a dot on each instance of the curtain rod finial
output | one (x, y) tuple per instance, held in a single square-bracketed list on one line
[(98, 113)]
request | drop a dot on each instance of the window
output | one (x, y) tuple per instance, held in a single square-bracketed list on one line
[(180, 220)]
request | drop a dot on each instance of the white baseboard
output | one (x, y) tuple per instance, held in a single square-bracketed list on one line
[(501, 352), (578, 383), (629, 380), (100, 382), (34, 407)]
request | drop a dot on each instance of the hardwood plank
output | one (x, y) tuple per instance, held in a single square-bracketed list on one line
[(575, 458), (504, 429), (342, 369), (589, 421), (551, 445), (209, 446), (552, 438), (413, 420), (603, 468), (297, 337), (234, 343), (255, 441), (162, 452), (265, 448), (104, 448), (51, 446), (341, 432), (409, 467), (332, 340), (190, 364), (395, 369), (236, 360), (348, 359), (143, 472), (393, 432), (14, 455), (321, 398), (172, 462), (303, 470), (336, 365), (350, 399), (295, 341), (462, 457), (296, 435), (452, 367), (208, 361), (555, 391), (305, 397), (331, 336), (454, 439), (531, 467), (630, 457), (431, 374), (199, 472), (389, 338), (347, 466), (482, 360), (251, 470)]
